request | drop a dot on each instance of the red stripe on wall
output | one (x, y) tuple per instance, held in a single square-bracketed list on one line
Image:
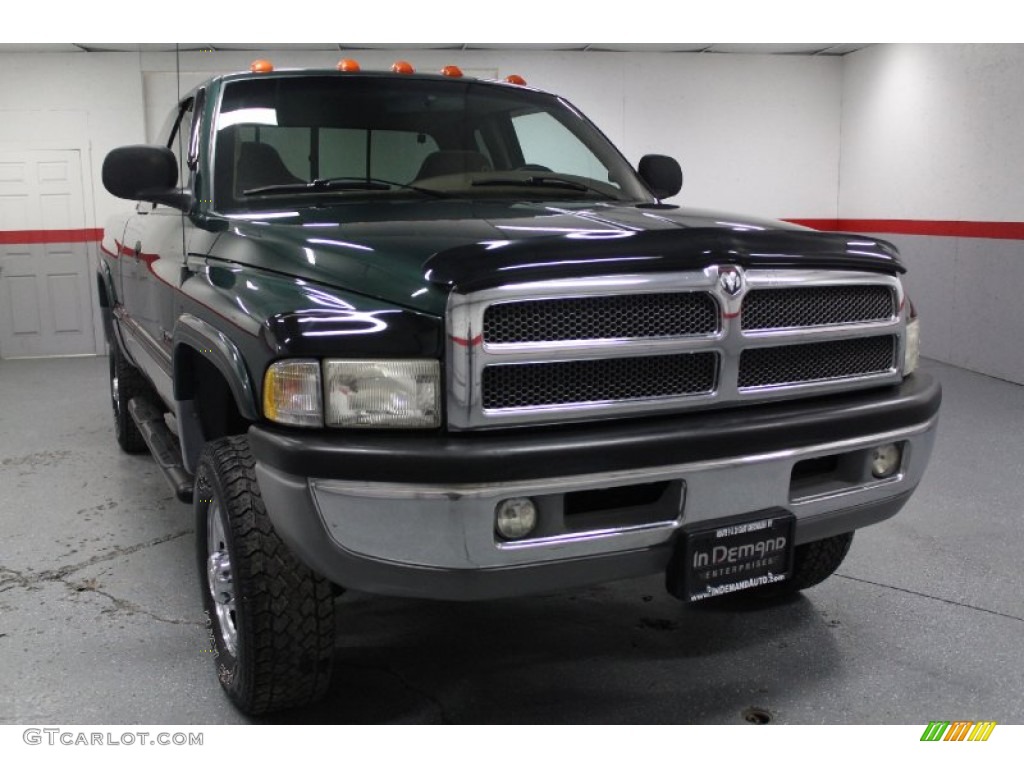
[(43, 236), (996, 230)]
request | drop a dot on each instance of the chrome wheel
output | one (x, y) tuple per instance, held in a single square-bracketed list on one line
[(219, 578), (115, 390)]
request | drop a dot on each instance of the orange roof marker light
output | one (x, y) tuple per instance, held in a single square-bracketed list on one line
[(402, 68), (261, 66), (515, 80), (451, 71), (348, 65)]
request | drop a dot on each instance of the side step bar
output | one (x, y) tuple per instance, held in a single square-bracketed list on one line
[(163, 445)]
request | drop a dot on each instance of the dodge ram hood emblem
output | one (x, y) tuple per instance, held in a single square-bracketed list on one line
[(731, 280)]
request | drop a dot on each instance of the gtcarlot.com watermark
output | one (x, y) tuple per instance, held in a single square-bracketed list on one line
[(60, 736)]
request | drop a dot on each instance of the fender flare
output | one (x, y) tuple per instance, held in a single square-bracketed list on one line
[(195, 334), (192, 332), (107, 299)]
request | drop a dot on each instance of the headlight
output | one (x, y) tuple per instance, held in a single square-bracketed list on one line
[(291, 393), (382, 393), (912, 351)]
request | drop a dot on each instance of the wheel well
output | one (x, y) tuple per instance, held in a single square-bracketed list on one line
[(101, 288), (200, 381)]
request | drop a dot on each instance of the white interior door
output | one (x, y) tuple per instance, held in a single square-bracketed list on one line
[(46, 285)]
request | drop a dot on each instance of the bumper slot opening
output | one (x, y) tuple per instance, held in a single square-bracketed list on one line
[(824, 475), (834, 474), (622, 506), (810, 470)]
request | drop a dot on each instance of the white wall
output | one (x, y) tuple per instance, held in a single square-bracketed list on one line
[(72, 101), (757, 134), (933, 133)]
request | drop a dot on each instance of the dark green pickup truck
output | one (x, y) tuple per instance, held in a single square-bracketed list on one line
[(432, 336)]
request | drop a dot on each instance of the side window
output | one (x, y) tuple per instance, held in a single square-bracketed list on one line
[(546, 142)]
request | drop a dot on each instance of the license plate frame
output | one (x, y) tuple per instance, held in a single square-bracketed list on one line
[(733, 555)]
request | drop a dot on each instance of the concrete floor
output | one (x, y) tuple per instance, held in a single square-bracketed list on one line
[(100, 618)]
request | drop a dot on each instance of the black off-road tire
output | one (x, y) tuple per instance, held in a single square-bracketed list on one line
[(813, 562), (272, 624), (126, 382)]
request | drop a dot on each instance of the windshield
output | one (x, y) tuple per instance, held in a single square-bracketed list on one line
[(324, 139)]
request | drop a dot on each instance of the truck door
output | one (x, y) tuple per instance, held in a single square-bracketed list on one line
[(151, 267)]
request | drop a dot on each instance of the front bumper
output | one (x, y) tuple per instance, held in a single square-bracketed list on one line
[(413, 515)]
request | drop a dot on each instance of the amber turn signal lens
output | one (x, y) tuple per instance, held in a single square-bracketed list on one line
[(402, 68), (292, 393), (451, 71), (515, 80), (261, 66), (348, 65)]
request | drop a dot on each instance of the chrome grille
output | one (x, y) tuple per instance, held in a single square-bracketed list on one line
[(530, 385), (816, 306), (572, 349), (821, 361), (624, 316)]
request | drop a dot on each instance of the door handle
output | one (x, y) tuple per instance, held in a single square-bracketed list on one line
[(138, 248)]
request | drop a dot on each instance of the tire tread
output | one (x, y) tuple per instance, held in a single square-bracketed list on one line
[(288, 624), (817, 560), (130, 383)]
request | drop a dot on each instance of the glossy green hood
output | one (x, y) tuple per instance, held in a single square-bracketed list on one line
[(382, 250)]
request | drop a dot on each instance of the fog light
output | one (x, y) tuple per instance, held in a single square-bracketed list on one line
[(885, 460), (516, 518)]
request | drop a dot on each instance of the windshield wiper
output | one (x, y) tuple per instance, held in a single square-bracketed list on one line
[(339, 183), (542, 181)]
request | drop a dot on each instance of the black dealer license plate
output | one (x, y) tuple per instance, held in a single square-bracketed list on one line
[(736, 554)]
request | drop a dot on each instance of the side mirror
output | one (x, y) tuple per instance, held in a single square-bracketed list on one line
[(662, 175), (145, 172)]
